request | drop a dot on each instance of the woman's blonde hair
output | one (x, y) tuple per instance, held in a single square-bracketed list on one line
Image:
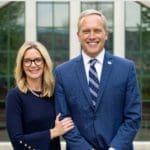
[(48, 78)]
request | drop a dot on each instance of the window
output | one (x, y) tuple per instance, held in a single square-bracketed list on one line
[(138, 49), (11, 38), (53, 29)]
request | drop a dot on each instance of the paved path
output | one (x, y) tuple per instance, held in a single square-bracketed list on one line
[(137, 146)]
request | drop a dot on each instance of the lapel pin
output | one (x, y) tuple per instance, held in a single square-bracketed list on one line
[(109, 62)]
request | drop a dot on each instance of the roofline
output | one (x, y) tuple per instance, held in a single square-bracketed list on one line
[(2, 4), (145, 3)]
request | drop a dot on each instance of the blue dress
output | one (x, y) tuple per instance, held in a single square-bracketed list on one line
[(28, 120)]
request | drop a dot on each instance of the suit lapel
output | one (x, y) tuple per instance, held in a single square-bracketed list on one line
[(80, 71), (106, 69)]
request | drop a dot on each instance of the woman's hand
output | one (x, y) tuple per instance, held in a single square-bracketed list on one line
[(61, 126)]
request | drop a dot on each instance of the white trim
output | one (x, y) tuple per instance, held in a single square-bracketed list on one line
[(30, 22), (119, 28), (74, 14), (8, 1), (53, 0)]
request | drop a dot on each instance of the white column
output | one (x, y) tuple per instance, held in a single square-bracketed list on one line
[(30, 22), (74, 14), (119, 28)]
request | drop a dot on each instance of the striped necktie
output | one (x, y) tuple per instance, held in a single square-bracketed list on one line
[(93, 81)]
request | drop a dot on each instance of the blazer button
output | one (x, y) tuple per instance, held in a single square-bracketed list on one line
[(25, 145), (20, 142), (29, 147)]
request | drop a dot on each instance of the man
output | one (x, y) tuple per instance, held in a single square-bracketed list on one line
[(99, 91)]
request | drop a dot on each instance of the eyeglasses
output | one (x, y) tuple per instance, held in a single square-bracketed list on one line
[(37, 61)]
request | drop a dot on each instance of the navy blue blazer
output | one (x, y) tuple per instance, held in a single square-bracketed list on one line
[(28, 120), (115, 120)]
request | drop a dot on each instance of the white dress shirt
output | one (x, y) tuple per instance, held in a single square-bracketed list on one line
[(98, 65)]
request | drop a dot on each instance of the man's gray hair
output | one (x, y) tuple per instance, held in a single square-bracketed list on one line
[(89, 12)]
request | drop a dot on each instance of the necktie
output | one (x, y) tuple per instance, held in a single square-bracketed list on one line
[(93, 81)]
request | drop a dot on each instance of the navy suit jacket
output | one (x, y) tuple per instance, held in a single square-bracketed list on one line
[(115, 120)]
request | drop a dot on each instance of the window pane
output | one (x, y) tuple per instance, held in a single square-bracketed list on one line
[(44, 13), (54, 36), (61, 19), (11, 26), (3, 70), (135, 15)]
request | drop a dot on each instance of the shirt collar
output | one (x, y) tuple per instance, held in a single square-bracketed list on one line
[(99, 57)]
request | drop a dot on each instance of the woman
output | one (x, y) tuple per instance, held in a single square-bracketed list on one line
[(30, 111)]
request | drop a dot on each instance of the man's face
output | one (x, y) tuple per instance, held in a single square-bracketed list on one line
[(92, 34)]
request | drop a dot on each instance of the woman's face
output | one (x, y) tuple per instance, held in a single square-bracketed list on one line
[(33, 64)]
